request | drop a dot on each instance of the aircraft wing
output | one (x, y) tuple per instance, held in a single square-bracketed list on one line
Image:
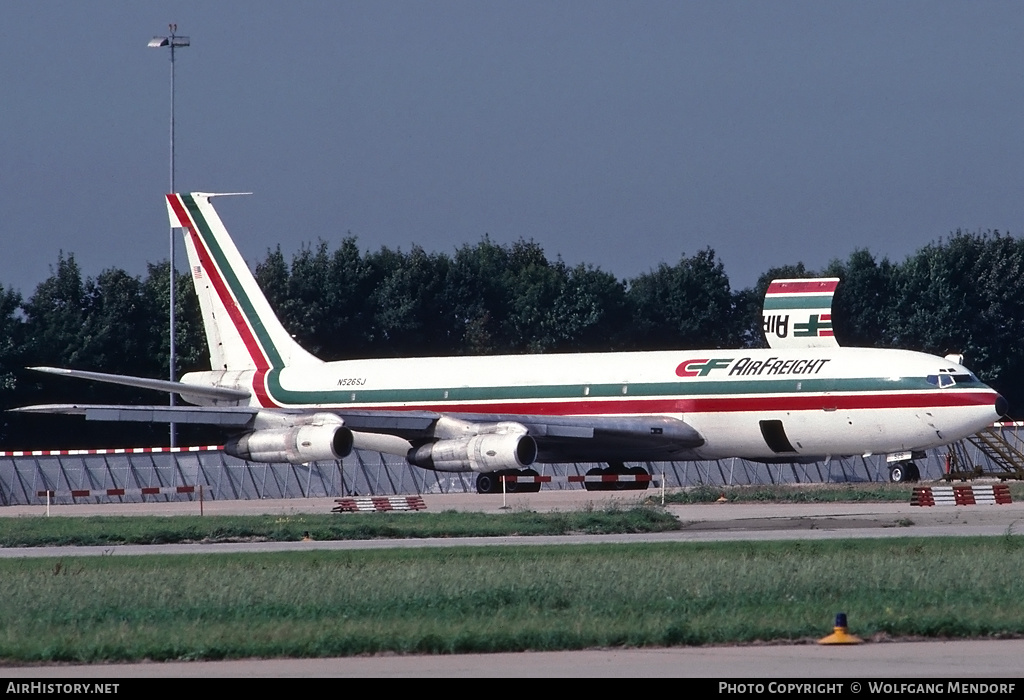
[(226, 416), (559, 438), (601, 438)]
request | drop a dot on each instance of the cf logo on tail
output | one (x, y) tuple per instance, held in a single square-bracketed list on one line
[(701, 368)]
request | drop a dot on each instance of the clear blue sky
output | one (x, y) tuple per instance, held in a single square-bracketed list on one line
[(622, 134)]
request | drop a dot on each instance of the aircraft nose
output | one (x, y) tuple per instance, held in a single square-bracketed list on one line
[(1002, 406)]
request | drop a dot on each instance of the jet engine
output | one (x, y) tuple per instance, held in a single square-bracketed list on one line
[(297, 445), (480, 453)]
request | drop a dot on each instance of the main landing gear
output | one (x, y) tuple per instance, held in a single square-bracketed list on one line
[(904, 472), (490, 482), (617, 469), (615, 477)]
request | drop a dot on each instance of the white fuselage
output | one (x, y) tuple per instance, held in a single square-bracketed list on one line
[(745, 403)]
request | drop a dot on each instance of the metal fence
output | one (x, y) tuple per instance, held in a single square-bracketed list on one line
[(157, 473)]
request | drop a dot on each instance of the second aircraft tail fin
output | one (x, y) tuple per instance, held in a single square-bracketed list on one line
[(798, 313)]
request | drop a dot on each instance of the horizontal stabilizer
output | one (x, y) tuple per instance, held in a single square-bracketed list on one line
[(207, 392)]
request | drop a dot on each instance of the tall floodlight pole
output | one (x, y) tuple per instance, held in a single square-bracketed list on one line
[(173, 41)]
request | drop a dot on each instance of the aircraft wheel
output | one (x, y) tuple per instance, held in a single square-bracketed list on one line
[(488, 483), (620, 469), (510, 486), (639, 485), (913, 473), (594, 485), (898, 473)]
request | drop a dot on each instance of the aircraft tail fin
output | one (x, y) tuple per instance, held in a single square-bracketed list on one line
[(798, 313), (241, 328)]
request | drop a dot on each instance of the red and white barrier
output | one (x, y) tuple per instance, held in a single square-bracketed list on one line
[(612, 478), (114, 451), (603, 478), (147, 491), (379, 504), (516, 479), (996, 494)]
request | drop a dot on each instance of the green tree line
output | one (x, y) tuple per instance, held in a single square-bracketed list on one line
[(956, 295)]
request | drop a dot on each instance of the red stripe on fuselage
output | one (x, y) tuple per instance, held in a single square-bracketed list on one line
[(705, 404), (220, 285), (259, 385)]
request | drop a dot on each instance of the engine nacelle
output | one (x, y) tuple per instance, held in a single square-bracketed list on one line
[(296, 445), (480, 453)]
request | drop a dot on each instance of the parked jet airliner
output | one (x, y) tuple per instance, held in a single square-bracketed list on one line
[(803, 399)]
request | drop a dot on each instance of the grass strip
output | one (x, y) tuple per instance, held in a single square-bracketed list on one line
[(309, 604), (115, 530)]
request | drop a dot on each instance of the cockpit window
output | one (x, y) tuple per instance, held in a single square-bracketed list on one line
[(944, 380)]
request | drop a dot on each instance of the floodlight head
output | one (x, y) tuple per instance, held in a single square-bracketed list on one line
[(158, 41)]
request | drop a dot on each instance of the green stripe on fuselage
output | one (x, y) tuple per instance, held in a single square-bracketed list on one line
[(575, 392)]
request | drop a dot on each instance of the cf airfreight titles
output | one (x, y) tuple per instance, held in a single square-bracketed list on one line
[(747, 366)]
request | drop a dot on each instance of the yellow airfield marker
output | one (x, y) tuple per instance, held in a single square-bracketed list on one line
[(840, 634)]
